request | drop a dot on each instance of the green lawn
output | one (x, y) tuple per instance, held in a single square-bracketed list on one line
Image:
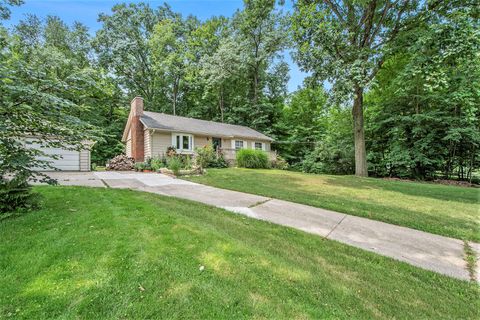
[(120, 254), (445, 210)]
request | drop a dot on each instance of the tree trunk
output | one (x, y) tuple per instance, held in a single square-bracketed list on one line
[(175, 93), (221, 102), (359, 134)]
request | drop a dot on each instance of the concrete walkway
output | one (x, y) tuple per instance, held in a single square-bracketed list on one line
[(432, 252)]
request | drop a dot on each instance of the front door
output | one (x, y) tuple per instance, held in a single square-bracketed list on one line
[(216, 143)]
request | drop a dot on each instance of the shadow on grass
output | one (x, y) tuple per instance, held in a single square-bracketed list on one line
[(410, 188), (137, 255)]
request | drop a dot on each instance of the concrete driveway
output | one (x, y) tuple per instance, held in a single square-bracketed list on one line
[(432, 252)]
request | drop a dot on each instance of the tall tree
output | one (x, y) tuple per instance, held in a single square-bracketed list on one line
[(261, 34), (346, 42), (122, 48), (219, 70), (168, 45)]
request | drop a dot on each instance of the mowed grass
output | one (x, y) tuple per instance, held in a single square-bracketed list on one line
[(445, 210), (120, 254)]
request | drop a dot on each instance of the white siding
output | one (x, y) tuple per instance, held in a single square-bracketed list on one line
[(128, 144), (147, 144), (160, 141), (201, 141), (128, 148), (85, 160)]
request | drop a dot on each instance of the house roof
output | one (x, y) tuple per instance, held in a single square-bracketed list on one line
[(166, 122)]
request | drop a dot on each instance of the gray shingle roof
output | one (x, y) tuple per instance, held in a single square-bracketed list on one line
[(166, 122)]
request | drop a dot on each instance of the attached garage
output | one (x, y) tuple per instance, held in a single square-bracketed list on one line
[(69, 160)]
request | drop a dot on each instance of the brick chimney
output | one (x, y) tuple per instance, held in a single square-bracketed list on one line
[(136, 111)]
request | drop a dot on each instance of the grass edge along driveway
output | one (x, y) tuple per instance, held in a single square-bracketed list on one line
[(107, 253), (445, 210)]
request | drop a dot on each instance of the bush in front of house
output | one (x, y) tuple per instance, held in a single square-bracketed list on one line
[(207, 157), (254, 159), (156, 163), (175, 164)]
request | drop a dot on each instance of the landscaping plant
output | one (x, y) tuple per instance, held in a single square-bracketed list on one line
[(156, 163), (139, 166), (253, 159), (174, 163), (207, 157)]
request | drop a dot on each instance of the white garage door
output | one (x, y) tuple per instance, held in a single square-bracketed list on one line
[(69, 161)]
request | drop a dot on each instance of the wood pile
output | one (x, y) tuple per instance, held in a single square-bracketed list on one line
[(120, 163)]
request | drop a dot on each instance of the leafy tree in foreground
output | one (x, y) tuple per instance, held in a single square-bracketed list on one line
[(33, 104), (346, 42)]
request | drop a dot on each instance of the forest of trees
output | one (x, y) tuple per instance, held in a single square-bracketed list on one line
[(393, 86)]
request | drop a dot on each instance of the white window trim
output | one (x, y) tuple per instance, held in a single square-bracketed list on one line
[(263, 145), (245, 146), (191, 140)]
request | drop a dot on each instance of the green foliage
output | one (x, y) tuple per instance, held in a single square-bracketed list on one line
[(206, 157), (423, 114), (254, 159), (16, 194), (279, 163), (139, 166), (156, 163), (5, 8), (174, 163), (334, 152), (347, 42), (302, 123), (41, 102)]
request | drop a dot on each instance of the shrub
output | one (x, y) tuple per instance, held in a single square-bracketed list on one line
[(280, 163), (331, 158), (219, 161), (175, 164), (139, 166), (255, 159), (156, 163), (204, 156), (187, 162), (207, 157), (16, 194)]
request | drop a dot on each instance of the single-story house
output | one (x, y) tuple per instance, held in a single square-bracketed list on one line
[(149, 134)]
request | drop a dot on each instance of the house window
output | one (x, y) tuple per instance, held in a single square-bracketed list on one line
[(182, 142), (216, 143), (258, 146), (238, 144)]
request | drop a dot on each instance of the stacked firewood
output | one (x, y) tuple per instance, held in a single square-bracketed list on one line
[(120, 163)]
